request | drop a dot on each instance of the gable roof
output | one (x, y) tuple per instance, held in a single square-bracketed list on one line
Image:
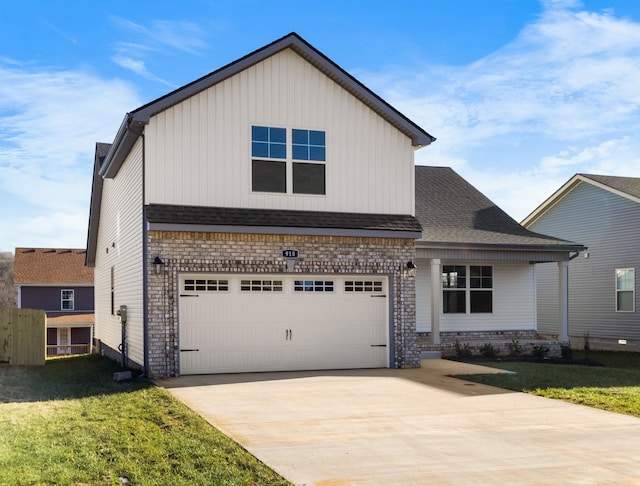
[(51, 266), (454, 214), (627, 187), (133, 123)]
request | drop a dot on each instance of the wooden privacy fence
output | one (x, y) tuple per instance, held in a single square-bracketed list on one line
[(22, 336)]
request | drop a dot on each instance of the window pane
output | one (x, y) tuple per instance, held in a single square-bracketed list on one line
[(316, 153), (300, 152), (454, 277), (454, 301), (269, 176), (480, 277), (300, 136), (278, 151), (624, 279), (308, 145), (625, 301), (259, 149), (308, 179), (260, 134), (278, 135), (316, 137), (481, 301)]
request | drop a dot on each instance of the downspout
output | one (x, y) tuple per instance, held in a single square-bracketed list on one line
[(145, 268)]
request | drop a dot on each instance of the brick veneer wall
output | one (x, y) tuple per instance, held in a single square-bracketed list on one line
[(259, 253)]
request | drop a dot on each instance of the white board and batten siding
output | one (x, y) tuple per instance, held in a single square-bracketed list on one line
[(608, 224), (513, 300), (119, 245), (233, 323), (199, 151)]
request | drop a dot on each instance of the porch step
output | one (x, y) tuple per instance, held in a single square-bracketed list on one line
[(430, 355)]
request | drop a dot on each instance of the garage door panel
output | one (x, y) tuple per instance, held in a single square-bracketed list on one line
[(240, 331)]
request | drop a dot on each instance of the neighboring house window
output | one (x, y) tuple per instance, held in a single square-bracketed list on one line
[(467, 289), (270, 163), (66, 300), (625, 290)]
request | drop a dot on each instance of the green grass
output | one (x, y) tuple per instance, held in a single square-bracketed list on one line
[(69, 423), (614, 387)]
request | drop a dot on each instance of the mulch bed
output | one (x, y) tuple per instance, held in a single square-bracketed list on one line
[(527, 359)]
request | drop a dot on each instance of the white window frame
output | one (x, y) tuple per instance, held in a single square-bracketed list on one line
[(632, 290), (63, 299), (289, 161), (468, 289)]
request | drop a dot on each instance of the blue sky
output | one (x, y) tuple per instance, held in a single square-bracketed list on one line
[(521, 94)]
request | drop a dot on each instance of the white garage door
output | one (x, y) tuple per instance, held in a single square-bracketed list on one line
[(242, 323)]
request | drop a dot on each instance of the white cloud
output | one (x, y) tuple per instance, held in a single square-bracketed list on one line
[(161, 36), (50, 121), (562, 98)]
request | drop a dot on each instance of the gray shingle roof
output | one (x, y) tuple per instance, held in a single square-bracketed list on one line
[(628, 185), (215, 216), (453, 212)]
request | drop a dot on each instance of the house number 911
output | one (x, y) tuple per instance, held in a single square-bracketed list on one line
[(290, 253)]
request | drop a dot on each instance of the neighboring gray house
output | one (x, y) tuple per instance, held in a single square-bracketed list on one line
[(603, 213), (477, 266)]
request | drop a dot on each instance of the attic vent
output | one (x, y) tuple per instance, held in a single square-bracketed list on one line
[(49, 251), (65, 251), (30, 250)]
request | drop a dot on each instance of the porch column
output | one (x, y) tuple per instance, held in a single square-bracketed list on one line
[(436, 291), (563, 295)]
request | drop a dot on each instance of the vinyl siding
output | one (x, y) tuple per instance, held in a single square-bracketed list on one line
[(513, 300), (608, 224), (120, 243), (49, 299), (198, 151)]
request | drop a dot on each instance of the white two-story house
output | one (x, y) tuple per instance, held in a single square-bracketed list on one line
[(260, 218)]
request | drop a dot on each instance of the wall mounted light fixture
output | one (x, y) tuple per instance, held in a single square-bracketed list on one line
[(158, 264), (411, 269)]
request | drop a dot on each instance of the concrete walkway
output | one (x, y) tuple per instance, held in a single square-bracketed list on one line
[(413, 427)]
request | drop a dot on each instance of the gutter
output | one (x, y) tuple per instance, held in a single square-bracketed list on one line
[(127, 135)]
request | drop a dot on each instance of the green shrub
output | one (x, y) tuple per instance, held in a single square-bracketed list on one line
[(463, 350), (515, 348), (566, 351), (488, 350), (540, 351)]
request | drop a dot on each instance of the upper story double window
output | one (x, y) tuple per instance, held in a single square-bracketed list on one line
[(288, 168)]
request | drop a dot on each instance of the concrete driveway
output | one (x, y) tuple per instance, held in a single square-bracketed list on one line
[(413, 427)]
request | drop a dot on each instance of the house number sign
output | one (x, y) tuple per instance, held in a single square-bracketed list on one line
[(290, 253)]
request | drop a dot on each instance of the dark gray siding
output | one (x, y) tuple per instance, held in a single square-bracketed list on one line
[(609, 225), (49, 299)]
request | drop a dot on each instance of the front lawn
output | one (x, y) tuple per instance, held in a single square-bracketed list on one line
[(614, 386), (69, 423)]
